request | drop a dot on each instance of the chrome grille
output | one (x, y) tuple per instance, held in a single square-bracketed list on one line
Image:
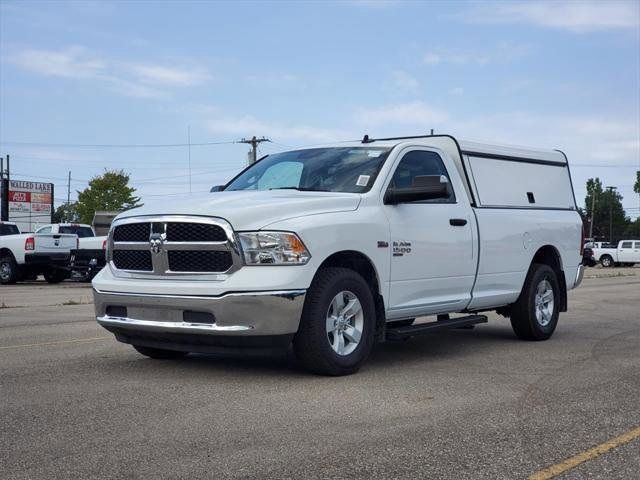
[(171, 245), (195, 232), (132, 260), (132, 232), (198, 261)]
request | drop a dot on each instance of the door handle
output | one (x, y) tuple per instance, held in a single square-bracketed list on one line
[(457, 222)]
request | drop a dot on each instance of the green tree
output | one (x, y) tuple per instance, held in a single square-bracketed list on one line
[(65, 213), (109, 191), (636, 187), (607, 207)]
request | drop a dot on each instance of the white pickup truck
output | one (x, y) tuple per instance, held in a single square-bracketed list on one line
[(334, 248), (24, 256), (626, 253), (88, 257)]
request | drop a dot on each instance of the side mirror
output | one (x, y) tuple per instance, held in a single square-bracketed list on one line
[(217, 188), (425, 187)]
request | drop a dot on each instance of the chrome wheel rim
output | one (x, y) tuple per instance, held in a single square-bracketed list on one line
[(5, 271), (544, 303), (345, 321)]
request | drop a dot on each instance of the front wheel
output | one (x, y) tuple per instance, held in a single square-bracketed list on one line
[(336, 333), (534, 316)]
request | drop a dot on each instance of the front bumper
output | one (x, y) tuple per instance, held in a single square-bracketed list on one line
[(243, 319)]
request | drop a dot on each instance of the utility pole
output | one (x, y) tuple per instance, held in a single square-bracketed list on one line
[(69, 188), (611, 190), (254, 147), (593, 214)]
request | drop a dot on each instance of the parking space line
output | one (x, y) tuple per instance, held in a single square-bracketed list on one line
[(572, 462), (77, 340)]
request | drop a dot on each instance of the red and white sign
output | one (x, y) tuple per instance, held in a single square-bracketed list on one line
[(20, 196), (30, 204)]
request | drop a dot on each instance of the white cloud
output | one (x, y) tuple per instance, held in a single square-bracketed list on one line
[(248, 125), (72, 62), (416, 114), (405, 82), (143, 80), (170, 76), (505, 52), (574, 16)]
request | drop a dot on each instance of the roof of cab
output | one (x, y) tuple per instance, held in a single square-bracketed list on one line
[(466, 146)]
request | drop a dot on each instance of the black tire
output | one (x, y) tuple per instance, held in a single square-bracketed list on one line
[(606, 261), (159, 353), (55, 275), (311, 342), (8, 270), (524, 321)]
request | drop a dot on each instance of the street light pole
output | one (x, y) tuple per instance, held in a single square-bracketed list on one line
[(611, 190)]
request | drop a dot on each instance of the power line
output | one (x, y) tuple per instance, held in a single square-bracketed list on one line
[(115, 145)]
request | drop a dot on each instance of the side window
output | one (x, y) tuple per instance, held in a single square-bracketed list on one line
[(44, 230), (637, 245), (417, 164), (626, 245)]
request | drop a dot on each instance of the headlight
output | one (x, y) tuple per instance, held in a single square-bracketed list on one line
[(273, 248)]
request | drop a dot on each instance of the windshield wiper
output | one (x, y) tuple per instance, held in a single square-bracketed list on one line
[(301, 189)]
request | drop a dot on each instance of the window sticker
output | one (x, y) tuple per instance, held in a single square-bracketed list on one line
[(363, 180)]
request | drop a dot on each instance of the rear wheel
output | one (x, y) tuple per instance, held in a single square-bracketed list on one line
[(8, 270), (159, 353), (336, 331), (606, 261), (534, 316), (55, 275)]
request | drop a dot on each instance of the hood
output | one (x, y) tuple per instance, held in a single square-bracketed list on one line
[(251, 210)]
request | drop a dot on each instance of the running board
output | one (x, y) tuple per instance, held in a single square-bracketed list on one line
[(399, 333)]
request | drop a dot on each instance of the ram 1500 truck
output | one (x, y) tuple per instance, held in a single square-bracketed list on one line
[(89, 257), (24, 256), (626, 253), (334, 248)]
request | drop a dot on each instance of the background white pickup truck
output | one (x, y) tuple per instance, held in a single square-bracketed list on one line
[(27, 255), (88, 257), (333, 248), (627, 253)]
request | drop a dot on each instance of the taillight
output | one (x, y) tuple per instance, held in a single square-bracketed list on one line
[(29, 244), (104, 244)]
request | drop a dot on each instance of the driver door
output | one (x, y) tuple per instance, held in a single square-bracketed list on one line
[(433, 264)]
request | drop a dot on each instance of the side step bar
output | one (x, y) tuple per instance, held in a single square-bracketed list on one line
[(399, 333)]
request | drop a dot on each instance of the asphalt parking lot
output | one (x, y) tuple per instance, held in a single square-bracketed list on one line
[(478, 403)]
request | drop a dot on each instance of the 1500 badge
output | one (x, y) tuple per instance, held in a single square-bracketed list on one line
[(401, 248)]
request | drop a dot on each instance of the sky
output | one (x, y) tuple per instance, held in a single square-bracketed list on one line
[(88, 85)]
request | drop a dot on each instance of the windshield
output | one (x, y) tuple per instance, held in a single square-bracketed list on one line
[(345, 169), (81, 232)]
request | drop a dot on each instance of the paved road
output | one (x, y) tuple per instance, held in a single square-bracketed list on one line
[(478, 403)]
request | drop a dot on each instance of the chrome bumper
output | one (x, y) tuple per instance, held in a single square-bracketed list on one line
[(242, 314), (579, 275)]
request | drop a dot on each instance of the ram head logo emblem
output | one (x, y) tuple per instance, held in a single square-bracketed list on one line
[(155, 242)]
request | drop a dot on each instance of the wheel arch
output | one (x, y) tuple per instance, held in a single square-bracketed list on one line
[(364, 266), (7, 252), (550, 256)]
